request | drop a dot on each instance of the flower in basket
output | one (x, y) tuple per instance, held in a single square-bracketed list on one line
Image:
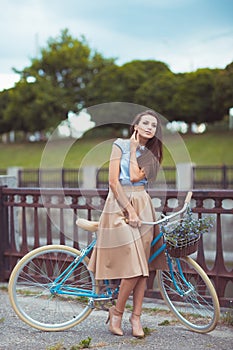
[(187, 230)]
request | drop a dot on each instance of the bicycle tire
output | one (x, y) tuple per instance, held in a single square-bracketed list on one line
[(30, 283), (199, 309)]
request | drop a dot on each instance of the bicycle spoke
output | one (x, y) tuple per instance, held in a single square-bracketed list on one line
[(39, 300), (190, 295)]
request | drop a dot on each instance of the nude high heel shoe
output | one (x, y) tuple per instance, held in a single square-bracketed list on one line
[(114, 319), (137, 329)]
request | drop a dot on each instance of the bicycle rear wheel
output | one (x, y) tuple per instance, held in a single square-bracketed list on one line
[(31, 294), (193, 301)]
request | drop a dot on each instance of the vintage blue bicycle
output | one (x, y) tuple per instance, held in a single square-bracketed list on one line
[(51, 288)]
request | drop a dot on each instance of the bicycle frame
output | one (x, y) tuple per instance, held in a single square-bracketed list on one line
[(34, 277), (58, 286)]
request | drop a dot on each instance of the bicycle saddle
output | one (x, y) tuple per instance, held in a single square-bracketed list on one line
[(87, 225)]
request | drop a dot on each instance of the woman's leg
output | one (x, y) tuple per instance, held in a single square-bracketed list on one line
[(116, 312), (137, 285), (138, 295), (126, 287)]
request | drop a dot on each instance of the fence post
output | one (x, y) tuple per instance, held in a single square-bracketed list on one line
[(184, 176), (224, 177), (14, 171), (3, 236), (5, 181), (89, 177)]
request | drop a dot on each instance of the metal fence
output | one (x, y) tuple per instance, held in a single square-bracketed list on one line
[(213, 177), (206, 177), (54, 178), (35, 217)]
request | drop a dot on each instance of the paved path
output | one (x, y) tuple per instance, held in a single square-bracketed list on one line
[(15, 335)]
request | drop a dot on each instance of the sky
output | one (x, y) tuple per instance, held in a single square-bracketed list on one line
[(184, 34)]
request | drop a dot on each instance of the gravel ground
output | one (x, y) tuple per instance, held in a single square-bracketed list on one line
[(16, 335)]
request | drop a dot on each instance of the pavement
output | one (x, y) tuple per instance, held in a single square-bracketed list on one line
[(16, 335)]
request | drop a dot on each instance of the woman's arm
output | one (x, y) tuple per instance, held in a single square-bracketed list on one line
[(136, 173), (114, 184)]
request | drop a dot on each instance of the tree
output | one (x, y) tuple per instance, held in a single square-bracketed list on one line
[(105, 86), (157, 92), (193, 100), (58, 83), (120, 84), (68, 76), (5, 125), (136, 73), (223, 93)]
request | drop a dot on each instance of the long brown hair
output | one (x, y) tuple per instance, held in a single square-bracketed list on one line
[(152, 157)]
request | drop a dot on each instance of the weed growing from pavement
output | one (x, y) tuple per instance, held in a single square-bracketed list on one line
[(58, 346), (83, 344), (227, 318), (164, 323), (4, 288)]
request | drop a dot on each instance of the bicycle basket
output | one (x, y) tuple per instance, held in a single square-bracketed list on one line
[(183, 234), (182, 247)]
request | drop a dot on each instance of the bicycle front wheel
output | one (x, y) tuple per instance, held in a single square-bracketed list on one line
[(190, 295), (31, 288)]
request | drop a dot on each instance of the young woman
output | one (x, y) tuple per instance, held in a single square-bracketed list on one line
[(123, 243)]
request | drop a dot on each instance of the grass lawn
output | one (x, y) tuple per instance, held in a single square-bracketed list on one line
[(211, 148)]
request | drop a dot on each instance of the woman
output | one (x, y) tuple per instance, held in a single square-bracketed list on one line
[(124, 244)]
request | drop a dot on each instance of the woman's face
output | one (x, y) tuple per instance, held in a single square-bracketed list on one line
[(146, 128)]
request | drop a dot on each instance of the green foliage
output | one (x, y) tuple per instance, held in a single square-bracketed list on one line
[(83, 344), (147, 331), (164, 323), (157, 92), (57, 346), (227, 318), (188, 229), (69, 75), (193, 100), (58, 84)]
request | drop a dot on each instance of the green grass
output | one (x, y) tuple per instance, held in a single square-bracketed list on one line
[(211, 148)]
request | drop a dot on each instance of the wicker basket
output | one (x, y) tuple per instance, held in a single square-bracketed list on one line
[(182, 248)]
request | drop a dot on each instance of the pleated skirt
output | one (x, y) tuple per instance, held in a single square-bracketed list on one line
[(122, 251)]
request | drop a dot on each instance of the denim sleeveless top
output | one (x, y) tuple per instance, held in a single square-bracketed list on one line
[(124, 177)]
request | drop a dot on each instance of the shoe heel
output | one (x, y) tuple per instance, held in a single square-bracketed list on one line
[(136, 331), (113, 315)]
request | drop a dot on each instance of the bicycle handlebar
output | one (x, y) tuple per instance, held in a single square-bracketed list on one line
[(188, 197), (93, 225), (168, 217)]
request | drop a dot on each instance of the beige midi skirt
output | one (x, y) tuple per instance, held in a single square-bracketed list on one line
[(122, 251)]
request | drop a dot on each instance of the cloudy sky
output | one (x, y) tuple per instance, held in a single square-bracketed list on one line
[(185, 34)]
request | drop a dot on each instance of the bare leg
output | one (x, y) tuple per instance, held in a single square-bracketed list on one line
[(126, 287), (138, 295), (137, 285), (116, 312)]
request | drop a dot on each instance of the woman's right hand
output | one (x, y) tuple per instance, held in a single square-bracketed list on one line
[(133, 220)]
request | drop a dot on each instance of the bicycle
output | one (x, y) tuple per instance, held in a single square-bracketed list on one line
[(51, 288)]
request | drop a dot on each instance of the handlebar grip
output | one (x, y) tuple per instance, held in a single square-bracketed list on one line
[(188, 197)]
